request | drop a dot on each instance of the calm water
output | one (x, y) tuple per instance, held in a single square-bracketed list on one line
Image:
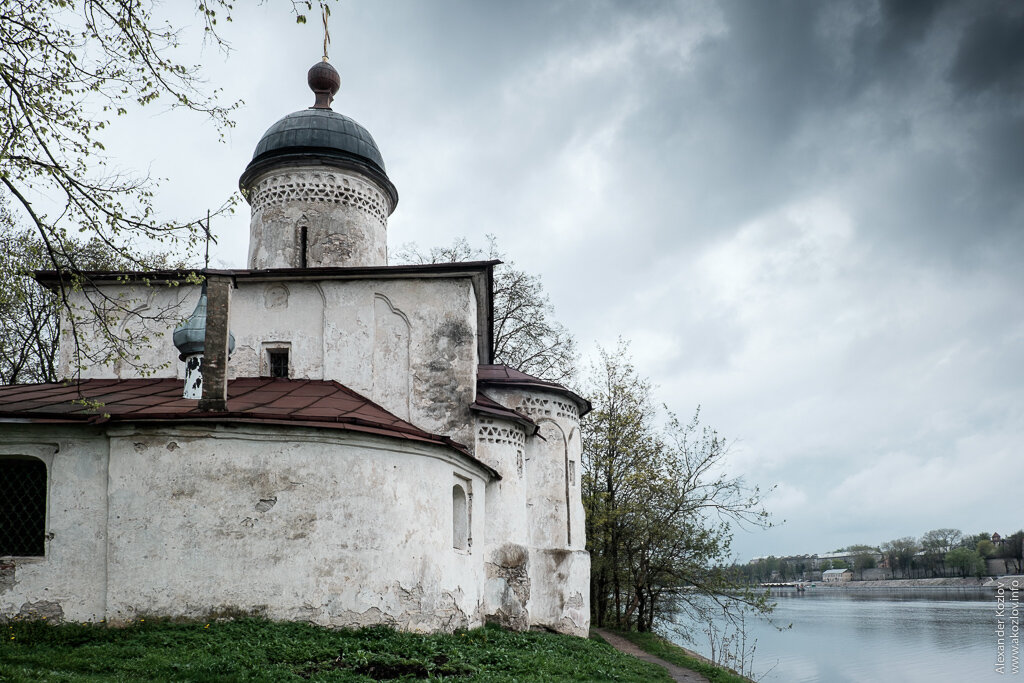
[(852, 636)]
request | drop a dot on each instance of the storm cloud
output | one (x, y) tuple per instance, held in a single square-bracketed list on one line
[(806, 216)]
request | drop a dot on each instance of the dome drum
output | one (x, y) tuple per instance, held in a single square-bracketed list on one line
[(317, 188)]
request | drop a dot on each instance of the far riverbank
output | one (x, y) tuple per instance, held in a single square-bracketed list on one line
[(985, 584)]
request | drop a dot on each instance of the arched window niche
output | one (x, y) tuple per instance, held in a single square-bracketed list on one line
[(461, 537), (22, 507)]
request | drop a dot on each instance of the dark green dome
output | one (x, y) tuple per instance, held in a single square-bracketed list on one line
[(319, 137), (321, 130)]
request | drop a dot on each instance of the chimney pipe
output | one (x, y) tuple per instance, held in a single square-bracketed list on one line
[(215, 355)]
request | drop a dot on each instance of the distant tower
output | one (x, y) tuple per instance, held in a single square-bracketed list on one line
[(317, 188)]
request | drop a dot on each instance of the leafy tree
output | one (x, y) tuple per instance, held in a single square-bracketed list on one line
[(659, 507), (899, 553), (618, 439), (936, 544), (68, 69), (972, 541), (965, 561), (858, 548), (864, 559), (986, 548), (1013, 551), (29, 312), (526, 334)]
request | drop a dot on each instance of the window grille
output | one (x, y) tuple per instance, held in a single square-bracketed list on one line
[(22, 507), (278, 362)]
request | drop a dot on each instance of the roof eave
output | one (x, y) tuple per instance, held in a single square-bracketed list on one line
[(294, 157), (471, 269)]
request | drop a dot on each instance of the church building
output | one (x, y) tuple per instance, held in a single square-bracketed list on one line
[(325, 438)]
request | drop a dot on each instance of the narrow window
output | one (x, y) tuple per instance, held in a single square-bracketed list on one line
[(572, 473), (22, 507), (277, 362), (460, 518), (302, 246)]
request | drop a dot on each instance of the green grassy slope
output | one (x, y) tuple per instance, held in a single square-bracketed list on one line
[(260, 650)]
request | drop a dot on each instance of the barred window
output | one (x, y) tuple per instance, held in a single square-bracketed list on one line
[(277, 360), (22, 506)]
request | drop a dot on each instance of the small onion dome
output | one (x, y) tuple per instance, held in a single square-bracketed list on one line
[(319, 136), (190, 336)]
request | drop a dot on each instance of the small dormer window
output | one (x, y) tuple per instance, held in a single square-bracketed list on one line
[(277, 362)]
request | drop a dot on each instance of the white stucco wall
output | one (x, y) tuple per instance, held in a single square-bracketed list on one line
[(559, 565), (408, 344), (70, 581), (342, 214), (330, 527), (502, 445)]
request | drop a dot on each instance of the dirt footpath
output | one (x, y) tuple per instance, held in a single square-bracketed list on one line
[(677, 673)]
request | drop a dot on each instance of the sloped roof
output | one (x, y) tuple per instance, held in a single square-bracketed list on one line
[(485, 405), (503, 375), (262, 400)]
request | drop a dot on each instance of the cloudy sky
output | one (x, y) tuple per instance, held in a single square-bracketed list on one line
[(807, 217)]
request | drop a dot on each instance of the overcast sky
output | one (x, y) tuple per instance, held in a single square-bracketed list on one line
[(807, 217)]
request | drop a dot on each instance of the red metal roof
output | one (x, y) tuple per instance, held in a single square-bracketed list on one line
[(485, 405), (309, 403), (503, 375)]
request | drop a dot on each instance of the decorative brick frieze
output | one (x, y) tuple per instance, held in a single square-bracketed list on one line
[(489, 431), (319, 186), (548, 407)]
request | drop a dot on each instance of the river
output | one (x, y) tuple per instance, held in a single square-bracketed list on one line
[(854, 636)]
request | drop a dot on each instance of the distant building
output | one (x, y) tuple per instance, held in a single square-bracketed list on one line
[(836, 575)]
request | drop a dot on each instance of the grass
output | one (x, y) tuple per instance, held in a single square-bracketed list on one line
[(659, 647), (250, 649)]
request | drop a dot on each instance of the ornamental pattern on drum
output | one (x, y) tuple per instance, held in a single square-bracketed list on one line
[(549, 407), (335, 188), (511, 435)]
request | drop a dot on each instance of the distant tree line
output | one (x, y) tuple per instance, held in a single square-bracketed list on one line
[(937, 553)]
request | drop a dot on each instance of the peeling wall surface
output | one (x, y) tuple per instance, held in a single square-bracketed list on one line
[(336, 529), (552, 527), (408, 344), (297, 522), (300, 524), (72, 575), (311, 216)]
